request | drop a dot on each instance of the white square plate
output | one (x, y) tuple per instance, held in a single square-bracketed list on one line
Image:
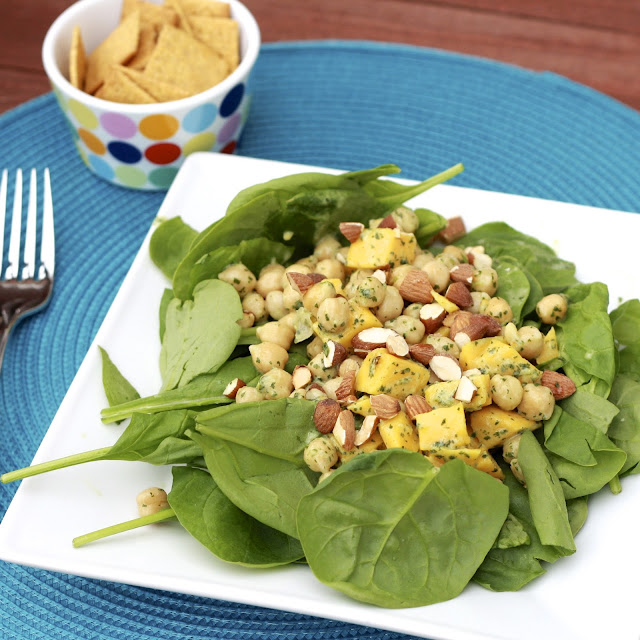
[(592, 594)]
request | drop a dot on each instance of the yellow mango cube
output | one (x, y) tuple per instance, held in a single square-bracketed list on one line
[(379, 247), (362, 406), (445, 303), (442, 394), (493, 355), (374, 443), (549, 348), (399, 433), (492, 426), (382, 372), (443, 427), (359, 319), (337, 283), (479, 459)]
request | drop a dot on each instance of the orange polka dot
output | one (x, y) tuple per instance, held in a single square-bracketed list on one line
[(93, 143), (158, 127)]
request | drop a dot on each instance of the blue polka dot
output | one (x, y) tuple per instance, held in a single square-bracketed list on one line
[(101, 167), (124, 152), (200, 118), (232, 100)]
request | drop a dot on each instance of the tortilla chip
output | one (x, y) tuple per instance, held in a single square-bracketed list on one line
[(117, 87), (185, 62), (160, 91), (128, 7), (221, 34), (77, 60), (183, 21), (209, 8), (146, 45), (118, 48)]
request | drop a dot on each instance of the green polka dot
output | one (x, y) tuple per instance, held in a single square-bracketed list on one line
[(130, 176), (201, 142), (83, 114), (163, 176)]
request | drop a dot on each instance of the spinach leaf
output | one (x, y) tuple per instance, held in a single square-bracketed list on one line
[(116, 387), (513, 285), (169, 243), (590, 408), (546, 500), (430, 224), (203, 391), (629, 361), (577, 509), (625, 427), (512, 534), (200, 334), (625, 322), (167, 297), (387, 529), (228, 532)]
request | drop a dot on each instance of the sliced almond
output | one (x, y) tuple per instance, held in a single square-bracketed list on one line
[(231, 390), (397, 346), (346, 391), (465, 390), (372, 338), (388, 223), (381, 275), (300, 282), (472, 372), (344, 430), (459, 294), (432, 316), (368, 428), (561, 386), (415, 405), (326, 414), (454, 230), (301, 376), (333, 354), (415, 287), (462, 273), (474, 325), (351, 230), (385, 406), (422, 353), (445, 367)]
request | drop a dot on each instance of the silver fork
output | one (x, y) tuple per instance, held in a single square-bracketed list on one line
[(27, 280)]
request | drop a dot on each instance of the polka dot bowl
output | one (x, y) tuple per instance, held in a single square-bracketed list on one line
[(143, 146)]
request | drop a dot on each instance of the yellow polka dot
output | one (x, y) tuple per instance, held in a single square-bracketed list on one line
[(93, 143), (158, 127), (83, 114), (201, 142)]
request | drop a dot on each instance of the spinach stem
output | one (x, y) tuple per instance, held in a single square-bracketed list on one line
[(615, 486), (248, 331), (129, 525), (154, 405), (51, 465)]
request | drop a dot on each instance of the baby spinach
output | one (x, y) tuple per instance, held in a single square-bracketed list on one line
[(200, 334), (117, 388), (513, 285), (590, 408), (625, 322), (430, 224), (169, 243), (625, 427), (228, 532), (167, 297), (387, 529)]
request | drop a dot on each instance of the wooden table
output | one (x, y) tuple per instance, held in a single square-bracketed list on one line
[(596, 42)]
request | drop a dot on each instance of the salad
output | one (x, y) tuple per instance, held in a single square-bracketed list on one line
[(401, 404)]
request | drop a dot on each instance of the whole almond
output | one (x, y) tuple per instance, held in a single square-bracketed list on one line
[(561, 386), (472, 324), (385, 406), (344, 430), (415, 287), (397, 346), (454, 230), (415, 405), (462, 273), (231, 390), (422, 353), (325, 415), (388, 223), (351, 230), (459, 294), (346, 391)]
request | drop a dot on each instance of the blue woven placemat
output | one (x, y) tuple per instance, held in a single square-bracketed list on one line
[(348, 105)]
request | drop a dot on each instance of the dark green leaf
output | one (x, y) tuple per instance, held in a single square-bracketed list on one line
[(116, 387), (513, 285), (169, 244)]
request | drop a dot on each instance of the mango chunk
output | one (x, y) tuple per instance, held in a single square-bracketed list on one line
[(442, 394), (549, 348), (445, 303), (362, 406), (379, 247), (479, 459), (399, 433), (360, 318), (492, 426), (374, 443), (444, 427), (493, 355), (382, 372)]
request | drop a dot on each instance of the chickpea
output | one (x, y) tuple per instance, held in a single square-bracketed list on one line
[(300, 394), (499, 309), (517, 471), (391, 306), (480, 300), (506, 391), (334, 315), (370, 292), (413, 310), (274, 304), (317, 294), (248, 394), (277, 333), (289, 320), (321, 454), (485, 280), (443, 344), (270, 279), (537, 402), (448, 260), (247, 320), (552, 308), (151, 501), (411, 329), (423, 258), (255, 303), (310, 262), (294, 268), (316, 364), (325, 475), (532, 341), (438, 274), (512, 337), (291, 299), (331, 386), (331, 268), (239, 277), (356, 278), (406, 219), (327, 248), (267, 356), (314, 347), (480, 259), (352, 363), (315, 394), (510, 448), (456, 252), (275, 384)]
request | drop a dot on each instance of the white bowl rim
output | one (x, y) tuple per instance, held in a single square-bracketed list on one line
[(245, 18)]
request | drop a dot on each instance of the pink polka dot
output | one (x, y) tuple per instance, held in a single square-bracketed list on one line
[(229, 128), (118, 125)]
